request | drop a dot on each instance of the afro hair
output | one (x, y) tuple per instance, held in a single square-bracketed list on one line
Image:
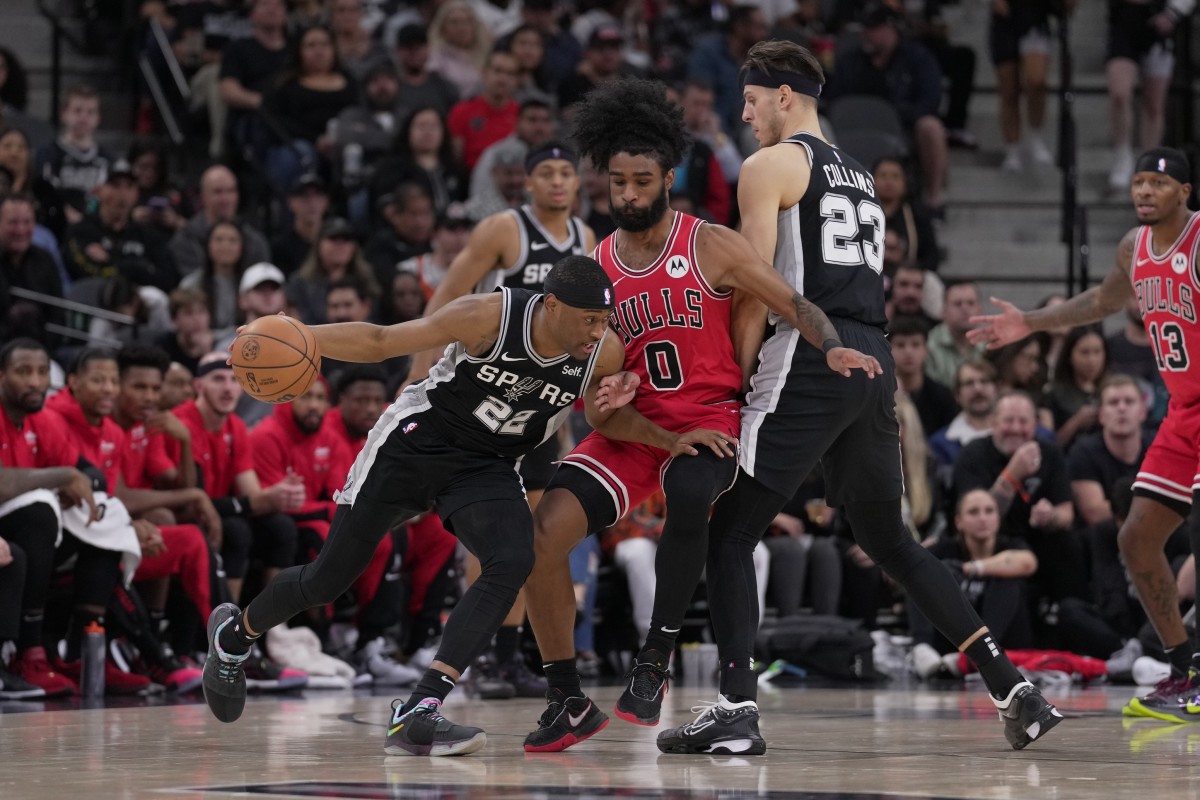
[(630, 116)]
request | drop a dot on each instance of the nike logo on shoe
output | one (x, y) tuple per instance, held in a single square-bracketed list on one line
[(576, 719)]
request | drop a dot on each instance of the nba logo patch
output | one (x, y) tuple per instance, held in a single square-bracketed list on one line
[(409, 428), (607, 296)]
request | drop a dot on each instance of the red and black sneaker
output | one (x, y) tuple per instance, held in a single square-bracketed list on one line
[(33, 667), (647, 683), (566, 721)]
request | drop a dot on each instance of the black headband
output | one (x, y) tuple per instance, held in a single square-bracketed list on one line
[(548, 153), (1165, 161), (211, 366), (580, 296), (799, 83)]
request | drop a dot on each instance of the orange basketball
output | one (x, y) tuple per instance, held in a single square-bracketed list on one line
[(276, 359)]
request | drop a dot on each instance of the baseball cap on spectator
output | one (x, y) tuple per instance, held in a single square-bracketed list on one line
[(119, 169), (337, 228), (455, 216), (412, 35), (258, 274), (510, 153), (876, 14), (309, 180), (606, 36)]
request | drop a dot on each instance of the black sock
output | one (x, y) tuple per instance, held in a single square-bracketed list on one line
[(739, 684), (234, 638), (1180, 658), (997, 671), (507, 639), (434, 683), (158, 620), (80, 620), (564, 676), (29, 634), (660, 640)]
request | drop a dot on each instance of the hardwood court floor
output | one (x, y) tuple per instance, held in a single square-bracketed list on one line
[(825, 744)]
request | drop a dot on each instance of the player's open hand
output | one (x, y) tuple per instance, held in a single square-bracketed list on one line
[(719, 442), (617, 390), (997, 330), (844, 359)]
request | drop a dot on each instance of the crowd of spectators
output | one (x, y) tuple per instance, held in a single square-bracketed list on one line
[(339, 155)]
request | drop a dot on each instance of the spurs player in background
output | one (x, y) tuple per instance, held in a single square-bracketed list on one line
[(1157, 262), (812, 211)]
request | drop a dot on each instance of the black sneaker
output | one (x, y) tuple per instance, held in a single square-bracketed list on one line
[(423, 731), (523, 680), (224, 678), (1026, 714), (488, 682), (14, 687), (566, 721), (647, 681), (723, 728)]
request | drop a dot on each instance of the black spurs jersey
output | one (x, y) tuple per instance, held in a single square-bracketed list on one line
[(830, 244), (508, 400), (540, 251)]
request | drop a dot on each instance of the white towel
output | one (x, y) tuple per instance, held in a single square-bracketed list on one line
[(113, 531)]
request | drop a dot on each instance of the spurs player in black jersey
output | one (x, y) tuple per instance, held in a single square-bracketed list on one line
[(517, 248), (515, 364), (811, 210)]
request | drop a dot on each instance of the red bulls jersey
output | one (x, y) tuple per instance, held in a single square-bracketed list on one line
[(1167, 286), (676, 331)]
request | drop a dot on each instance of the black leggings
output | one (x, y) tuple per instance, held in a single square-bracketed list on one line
[(498, 532), (739, 521), (30, 532)]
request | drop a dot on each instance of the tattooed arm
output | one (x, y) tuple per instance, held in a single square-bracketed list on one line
[(727, 261), (1012, 324)]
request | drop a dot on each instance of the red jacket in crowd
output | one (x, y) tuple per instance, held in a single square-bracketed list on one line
[(102, 445), (43, 441), (321, 459), (221, 455)]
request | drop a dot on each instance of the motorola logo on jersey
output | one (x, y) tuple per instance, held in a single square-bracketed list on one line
[(677, 267), (519, 387), (1179, 263), (634, 316)]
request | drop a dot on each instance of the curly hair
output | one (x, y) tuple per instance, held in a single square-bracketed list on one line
[(630, 116)]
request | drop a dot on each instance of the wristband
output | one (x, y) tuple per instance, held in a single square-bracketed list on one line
[(829, 344), (1015, 484)]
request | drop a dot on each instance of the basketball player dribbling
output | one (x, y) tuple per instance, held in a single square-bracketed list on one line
[(1156, 261)]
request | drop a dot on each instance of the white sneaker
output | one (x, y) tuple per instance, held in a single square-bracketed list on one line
[(1012, 159), (1039, 153), (1148, 671), (386, 671), (926, 661), (1121, 173)]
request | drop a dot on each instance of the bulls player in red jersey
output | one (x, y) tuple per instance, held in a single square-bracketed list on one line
[(675, 277), (1157, 262)]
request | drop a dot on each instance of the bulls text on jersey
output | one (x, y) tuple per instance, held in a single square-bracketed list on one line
[(634, 318)]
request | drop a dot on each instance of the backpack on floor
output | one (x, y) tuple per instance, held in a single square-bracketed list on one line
[(832, 646)]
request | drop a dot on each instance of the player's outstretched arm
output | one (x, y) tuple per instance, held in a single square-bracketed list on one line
[(1012, 324), (623, 423), (473, 320), (729, 261)]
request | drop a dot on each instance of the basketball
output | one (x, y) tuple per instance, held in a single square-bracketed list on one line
[(275, 359)]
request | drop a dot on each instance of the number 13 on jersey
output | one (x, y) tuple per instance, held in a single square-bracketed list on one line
[(1170, 346)]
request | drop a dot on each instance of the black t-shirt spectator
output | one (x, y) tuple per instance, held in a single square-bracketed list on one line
[(305, 113), (36, 272), (137, 252), (255, 67), (288, 251), (1090, 460), (1137, 360), (170, 345), (953, 548), (73, 173), (935, 405), (980, 463)]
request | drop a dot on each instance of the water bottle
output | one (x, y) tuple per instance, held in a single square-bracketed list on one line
[(93, 657)]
